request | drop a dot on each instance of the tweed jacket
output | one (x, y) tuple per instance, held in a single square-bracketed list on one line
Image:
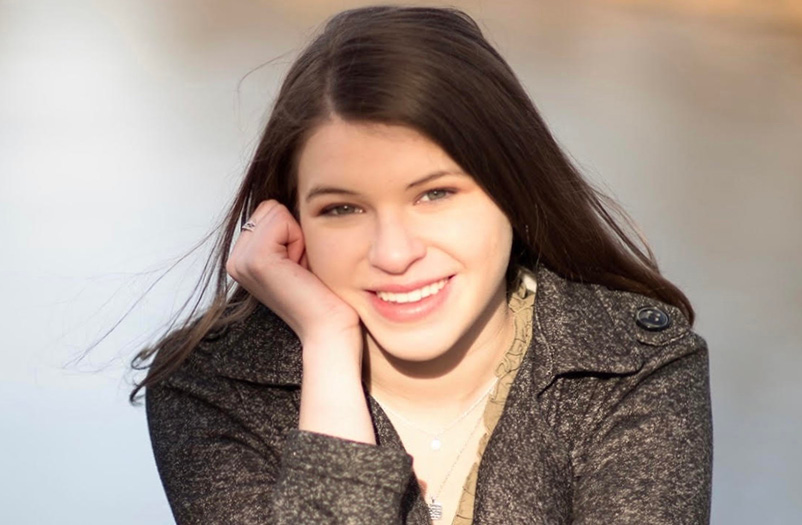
[(607, 421)]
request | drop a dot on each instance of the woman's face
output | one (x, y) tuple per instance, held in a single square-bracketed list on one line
[(396, 229)]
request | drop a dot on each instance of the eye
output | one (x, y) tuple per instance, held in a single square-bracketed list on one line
[(340, 209), (436, 194)]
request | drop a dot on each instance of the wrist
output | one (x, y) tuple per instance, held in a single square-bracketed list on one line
[(332, 397), (340, 351)]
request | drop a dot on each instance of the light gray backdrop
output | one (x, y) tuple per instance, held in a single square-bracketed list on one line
[(124, 129)]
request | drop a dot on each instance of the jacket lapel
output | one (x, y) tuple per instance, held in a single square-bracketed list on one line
[(526, 472)]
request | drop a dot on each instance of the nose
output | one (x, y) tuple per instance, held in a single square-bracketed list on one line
[(395, 246)]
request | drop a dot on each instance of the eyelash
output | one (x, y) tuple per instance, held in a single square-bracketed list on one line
[(447, 193), (335, 210), (338, 210)]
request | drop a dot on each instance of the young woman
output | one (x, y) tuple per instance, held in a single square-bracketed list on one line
[(435, 317)]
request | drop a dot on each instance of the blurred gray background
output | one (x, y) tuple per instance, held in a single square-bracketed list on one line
[(125, 126)]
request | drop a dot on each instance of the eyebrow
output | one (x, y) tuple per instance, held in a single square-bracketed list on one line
[(316, 191)]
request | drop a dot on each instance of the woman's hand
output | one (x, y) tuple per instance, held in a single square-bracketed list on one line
[(269, 261)]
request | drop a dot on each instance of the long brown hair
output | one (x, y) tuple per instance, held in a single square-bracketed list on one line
[(432, 70)]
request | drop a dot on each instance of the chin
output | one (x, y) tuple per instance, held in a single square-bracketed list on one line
[(412, 353), (411, 347)]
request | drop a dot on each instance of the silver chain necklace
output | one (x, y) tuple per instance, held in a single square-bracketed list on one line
[(436, 442), (436, 507)]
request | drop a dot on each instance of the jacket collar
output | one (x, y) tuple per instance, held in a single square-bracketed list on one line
[(577, 327), (573, 332)]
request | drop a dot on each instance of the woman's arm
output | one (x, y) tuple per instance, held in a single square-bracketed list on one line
[(332, 399), (226, 450), (229, 452), (650, 459)]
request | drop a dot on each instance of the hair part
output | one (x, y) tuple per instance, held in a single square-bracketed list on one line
[(432, 70)]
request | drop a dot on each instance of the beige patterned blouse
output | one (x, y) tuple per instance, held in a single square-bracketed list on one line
[(521, 304)]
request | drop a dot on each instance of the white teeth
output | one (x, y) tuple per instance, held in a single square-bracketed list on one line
[(414, 295)]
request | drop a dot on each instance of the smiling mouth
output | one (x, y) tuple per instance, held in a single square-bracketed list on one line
[(415, 295)]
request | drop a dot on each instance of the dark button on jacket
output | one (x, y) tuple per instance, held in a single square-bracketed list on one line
[(652, 318), (607, 421)]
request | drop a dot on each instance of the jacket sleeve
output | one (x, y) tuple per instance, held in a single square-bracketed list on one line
[(649, 458), (219, 466)]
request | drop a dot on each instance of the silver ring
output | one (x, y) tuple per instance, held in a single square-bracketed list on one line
[(248, 226)]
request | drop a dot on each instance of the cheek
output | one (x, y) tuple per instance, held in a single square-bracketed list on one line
[(332, 254), (496, 243), (481, 234)]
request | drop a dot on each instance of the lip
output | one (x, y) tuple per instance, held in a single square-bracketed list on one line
[(405, 288), (410, 312)]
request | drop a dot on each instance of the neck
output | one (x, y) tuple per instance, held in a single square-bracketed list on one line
[(436, 390)]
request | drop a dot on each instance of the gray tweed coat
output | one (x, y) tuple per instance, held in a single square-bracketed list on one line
[(607, 421)]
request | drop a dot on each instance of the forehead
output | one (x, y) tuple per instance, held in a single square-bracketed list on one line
[(365, 154)]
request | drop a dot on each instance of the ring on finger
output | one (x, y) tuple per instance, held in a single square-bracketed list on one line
[(248, 226)]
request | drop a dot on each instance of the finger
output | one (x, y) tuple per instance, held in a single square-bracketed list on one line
[(242, 246), (277, 234), (294, 239), (262, 211), (271, 230)]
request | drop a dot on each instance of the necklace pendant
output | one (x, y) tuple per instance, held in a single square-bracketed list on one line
[(435, 510), (436, 444)]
